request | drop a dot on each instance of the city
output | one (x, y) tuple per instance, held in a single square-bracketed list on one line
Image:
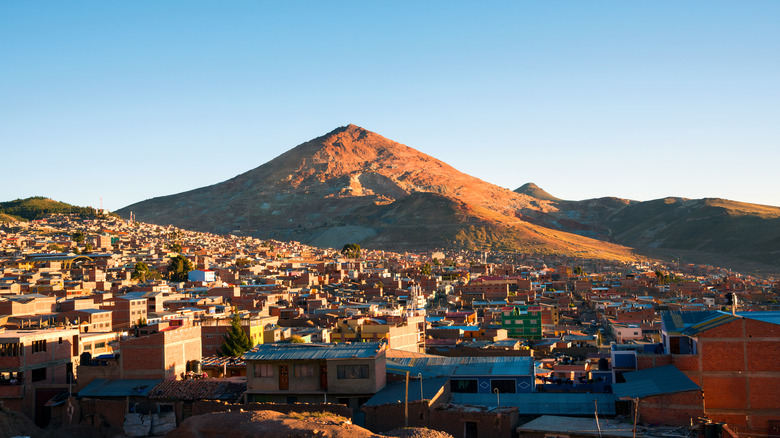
[(126, 326)]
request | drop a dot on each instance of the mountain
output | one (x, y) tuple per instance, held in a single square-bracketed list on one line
[(352, 185), (710, 230), (535, 191)]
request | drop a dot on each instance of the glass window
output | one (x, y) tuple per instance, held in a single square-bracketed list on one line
[(464, 386), (352, 371), (304, 370), (264, 370)]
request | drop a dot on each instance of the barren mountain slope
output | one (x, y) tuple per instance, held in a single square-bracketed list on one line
[(355, 185)]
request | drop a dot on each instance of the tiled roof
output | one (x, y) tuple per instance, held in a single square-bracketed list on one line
[(198, 390), (314, 351), (218, 361)]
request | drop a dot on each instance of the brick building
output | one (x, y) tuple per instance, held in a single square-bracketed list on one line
[(735, 359), (161, 355), (35, 365)]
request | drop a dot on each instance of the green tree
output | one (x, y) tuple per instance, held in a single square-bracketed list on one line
[(140, 272), (236, 342), (88, 248), (176, 247), (578, 270), (78, 236), (297, 339), (426, 269), (351, 250), (178, 268)]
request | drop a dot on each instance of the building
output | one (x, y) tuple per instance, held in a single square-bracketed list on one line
[(348, 374), (523, 322), (202, 276), (35, 365)]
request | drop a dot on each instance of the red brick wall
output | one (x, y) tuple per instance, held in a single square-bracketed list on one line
[(672, 409), (740, 373), (722, 356), (644, 361)]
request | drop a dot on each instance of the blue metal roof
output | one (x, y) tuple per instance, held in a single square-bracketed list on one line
[(119, 388), (542, 403), (395, 392), (463, 366), (765, 316), (676, 322), (361, 350), (654, 381)]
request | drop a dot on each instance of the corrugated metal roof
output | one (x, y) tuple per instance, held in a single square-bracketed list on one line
[(543, 403), (676, 322), (396, 392), (119, 388), (654, 381), (579, 426), (314, 351), (772, 317), (463, 366)]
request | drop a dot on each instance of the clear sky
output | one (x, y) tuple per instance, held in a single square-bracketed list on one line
[(136, 99)]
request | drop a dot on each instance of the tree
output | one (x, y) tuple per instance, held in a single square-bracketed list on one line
[(78, 236), (297, 339), (140, 272), (243, 262), (578, 270), (351, 250), (176, 247), (178, 268), (426, 269), (88, 248), (236, 342)]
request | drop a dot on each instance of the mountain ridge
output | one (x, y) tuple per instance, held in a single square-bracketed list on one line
[(353, 185)]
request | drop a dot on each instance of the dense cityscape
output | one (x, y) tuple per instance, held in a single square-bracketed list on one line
[(126, 327)]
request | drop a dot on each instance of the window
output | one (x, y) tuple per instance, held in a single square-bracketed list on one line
[(304, 370), (100, 345), (504, 386), (11, 349), (352, 371), (38, 346), (60, 341), (464, 386), (264, 370), (38, 374), (87, 347)]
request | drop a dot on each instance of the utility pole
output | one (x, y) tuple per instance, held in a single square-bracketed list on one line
[(406, 402)]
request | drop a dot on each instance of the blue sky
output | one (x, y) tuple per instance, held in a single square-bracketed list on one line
[(641, 100)]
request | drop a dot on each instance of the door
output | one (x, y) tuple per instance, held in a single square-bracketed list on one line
[(284, 378), (324, 376)]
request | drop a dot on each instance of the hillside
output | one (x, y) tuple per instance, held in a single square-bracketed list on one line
[(352, 185), (37, 207), (710, 231)]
